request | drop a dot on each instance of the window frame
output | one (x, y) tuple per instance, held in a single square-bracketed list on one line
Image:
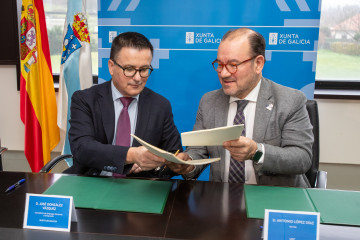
[(329, 89), (56, 78), (338, 88)]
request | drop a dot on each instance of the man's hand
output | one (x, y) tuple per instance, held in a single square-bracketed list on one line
[(241, 149), (135, 169), (180, 168), (144, 159)]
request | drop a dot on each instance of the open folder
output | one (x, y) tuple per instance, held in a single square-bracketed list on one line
[(335, 206), (212, 137), (170, 156), (118, 194)]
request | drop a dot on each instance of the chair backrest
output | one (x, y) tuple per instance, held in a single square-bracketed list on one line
[(1, 167), (312, 109), (2, 149), (53, 162)]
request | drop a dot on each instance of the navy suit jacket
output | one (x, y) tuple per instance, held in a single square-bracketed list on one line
[(92, 127)]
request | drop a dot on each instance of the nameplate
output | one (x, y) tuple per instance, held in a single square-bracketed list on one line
[(291, 225), (49, 212)]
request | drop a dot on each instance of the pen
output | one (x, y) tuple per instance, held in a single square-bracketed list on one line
[(12, 187), (177, 152), (175, 155), (158, 168)]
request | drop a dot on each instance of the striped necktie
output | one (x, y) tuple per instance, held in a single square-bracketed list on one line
[(237, 168)]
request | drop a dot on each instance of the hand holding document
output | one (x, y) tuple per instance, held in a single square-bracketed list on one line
[(212, 137), (171, 157)]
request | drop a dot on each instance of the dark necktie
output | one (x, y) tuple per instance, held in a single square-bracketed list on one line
[(237, 169), (123, 129)]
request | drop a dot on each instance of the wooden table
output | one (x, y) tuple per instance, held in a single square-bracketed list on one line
[(194, 210)]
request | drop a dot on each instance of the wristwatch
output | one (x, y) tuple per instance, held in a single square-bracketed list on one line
[(258, 154)]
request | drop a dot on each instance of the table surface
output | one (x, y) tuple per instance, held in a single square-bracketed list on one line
[(194, 210)]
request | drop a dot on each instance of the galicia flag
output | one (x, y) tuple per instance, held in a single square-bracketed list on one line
[(75, 70)]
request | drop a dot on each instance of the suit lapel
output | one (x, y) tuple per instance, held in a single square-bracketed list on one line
[(221, 112), (264, 107), (144, 107), (106, 106)]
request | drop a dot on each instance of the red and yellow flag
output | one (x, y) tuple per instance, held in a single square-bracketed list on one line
[(37, 95)]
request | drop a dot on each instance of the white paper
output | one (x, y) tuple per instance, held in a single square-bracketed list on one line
[(211, 137), (171, 157)]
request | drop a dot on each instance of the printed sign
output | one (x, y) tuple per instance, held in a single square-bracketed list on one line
[(49, 212), (291, 225)]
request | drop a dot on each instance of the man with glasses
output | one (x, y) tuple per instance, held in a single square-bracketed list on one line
[(104, 116), (276, 146)]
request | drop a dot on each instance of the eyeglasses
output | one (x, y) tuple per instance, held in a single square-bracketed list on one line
[(131, 71), (230, 67)]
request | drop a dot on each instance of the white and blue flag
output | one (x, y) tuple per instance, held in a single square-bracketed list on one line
[(75, 70)]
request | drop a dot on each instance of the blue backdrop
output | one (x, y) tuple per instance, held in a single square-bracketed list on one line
[(186, 34)]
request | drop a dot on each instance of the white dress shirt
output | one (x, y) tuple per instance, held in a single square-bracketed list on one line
[(118, 106), (249, 113)]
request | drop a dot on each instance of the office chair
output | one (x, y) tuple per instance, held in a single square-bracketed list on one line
[(317, 179), (53, 162), (2, 149)]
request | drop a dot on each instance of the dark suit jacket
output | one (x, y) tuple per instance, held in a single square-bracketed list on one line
[(92, 125)]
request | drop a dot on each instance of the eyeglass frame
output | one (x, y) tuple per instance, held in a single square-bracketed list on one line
[(225, 64), (136, 69)]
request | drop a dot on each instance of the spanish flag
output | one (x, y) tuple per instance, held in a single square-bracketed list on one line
[(37, 95)]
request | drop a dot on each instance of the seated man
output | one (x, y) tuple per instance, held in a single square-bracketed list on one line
[(276, 145), (103, 116)]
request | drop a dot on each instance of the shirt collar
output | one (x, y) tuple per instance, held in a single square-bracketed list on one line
[(116, 94), (251, 97)]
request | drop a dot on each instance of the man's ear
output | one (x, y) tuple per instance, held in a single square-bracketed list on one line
[(259, 64), (110, 66)]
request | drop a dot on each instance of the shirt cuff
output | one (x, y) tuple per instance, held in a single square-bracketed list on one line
[(261, 160), (189, 175)]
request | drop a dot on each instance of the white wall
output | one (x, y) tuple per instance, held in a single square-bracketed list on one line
[(339, 123), (339, 131), (11, 126)]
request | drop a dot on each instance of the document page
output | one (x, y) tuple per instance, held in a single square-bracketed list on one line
[(170, 156), (211, 137)]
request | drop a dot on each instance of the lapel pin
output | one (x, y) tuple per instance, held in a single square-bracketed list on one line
[(269, 106)]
